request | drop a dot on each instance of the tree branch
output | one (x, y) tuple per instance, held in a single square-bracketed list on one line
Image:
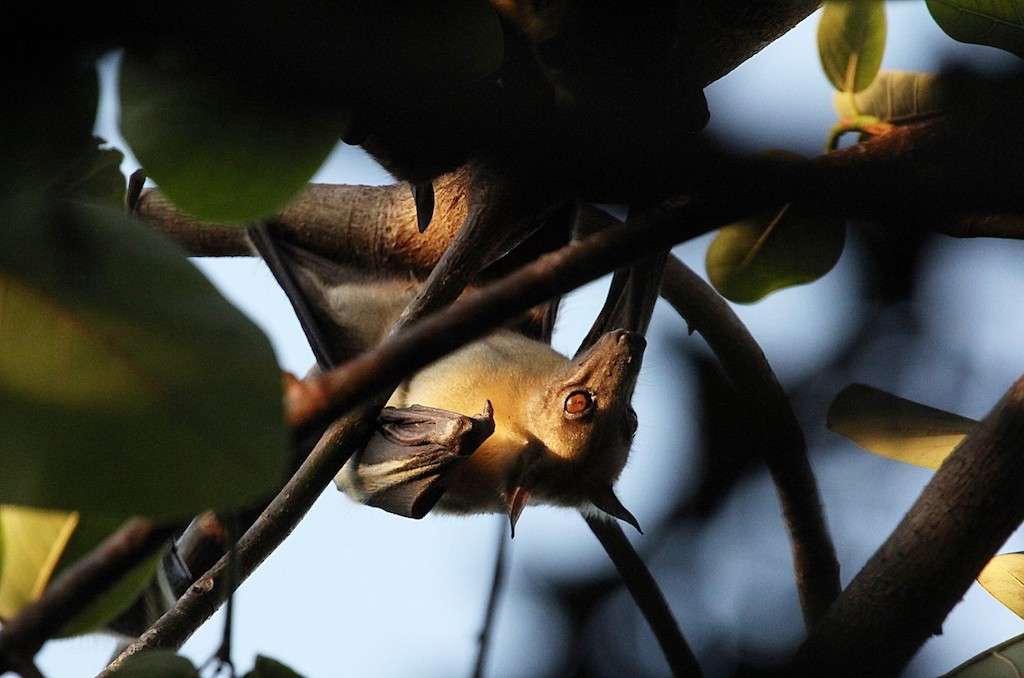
[(490, 612), (726, 33), (647, 595), (76, 588), (902, 595), (783, 446)]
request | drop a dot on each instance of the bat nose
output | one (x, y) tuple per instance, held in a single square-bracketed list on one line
[(634, 340)]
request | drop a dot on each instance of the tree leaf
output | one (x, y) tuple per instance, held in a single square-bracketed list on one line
[(895, 96), (1005, 659), (895, 427), (40, 543), (851, 41), (128, 385), (997, 23), (266, 667), (216, 153), (752, 258), (93, 176), (156, 664), (1003, 577), (33, 540)]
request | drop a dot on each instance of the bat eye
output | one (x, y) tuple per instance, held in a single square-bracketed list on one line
[(578, 403)]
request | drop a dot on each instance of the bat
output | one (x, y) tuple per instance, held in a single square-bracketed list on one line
[(500, 424)]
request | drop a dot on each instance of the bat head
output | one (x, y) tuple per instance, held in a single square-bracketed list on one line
[(583, 421)]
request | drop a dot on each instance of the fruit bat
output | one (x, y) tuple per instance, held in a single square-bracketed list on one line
[(502, 423)]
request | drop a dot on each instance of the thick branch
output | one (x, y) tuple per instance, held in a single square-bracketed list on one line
[(76, 588), (783, 446), (725, 33), (931, 176), (903, 594)]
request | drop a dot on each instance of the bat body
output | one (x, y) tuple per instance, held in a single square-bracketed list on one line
[(560, 430)]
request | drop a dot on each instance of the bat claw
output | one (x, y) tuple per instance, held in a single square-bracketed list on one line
[(516, 504), (423, 196)]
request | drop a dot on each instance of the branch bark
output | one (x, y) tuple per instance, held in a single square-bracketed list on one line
[(784, 448), (648, 596), (902, 595)]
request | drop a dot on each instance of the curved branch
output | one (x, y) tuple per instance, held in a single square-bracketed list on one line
[(490, 612), (902, 595), (648, 596), (784, 448)]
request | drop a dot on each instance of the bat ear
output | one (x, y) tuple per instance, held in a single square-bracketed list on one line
[(604, 498), (405, 466)]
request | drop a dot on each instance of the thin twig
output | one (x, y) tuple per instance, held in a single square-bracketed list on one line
[(908, 587), (647, 595), (783, 447), (490, 612), (77, 587)]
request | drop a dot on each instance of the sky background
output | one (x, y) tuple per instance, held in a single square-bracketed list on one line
[(359, 592)]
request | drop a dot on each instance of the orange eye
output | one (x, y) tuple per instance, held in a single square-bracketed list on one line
[(578, 402)]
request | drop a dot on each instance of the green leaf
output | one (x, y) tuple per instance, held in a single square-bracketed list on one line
[(1003, 577), (895, 427), (752, 258), (895, 97), (34, 540), (271, 668), (41, 543), (218, 154), (93, 176), (156, 664), (128, 385), (851, 41), (1003, 660), (997, 23), (47, 118)]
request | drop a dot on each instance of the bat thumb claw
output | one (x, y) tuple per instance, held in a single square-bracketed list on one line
[(516, 503), (605, 500)]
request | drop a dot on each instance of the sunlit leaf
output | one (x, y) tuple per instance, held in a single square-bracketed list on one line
[(33, 541), (997, 23), (773, 250), (128, 385), (217, 153), (1003, 577), (895, 96), (895, 427), (156, 664), (40, 543), (851, 41), (1005, 660), (266, 667)]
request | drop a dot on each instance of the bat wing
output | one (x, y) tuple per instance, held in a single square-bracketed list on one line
[(405, 466)]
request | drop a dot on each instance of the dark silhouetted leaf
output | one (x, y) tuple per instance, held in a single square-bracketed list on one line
[(266, 667), (997, 23), (752, 258), (156, 664), (128, 385), (895, 427), (851, 41), (215, 153)]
